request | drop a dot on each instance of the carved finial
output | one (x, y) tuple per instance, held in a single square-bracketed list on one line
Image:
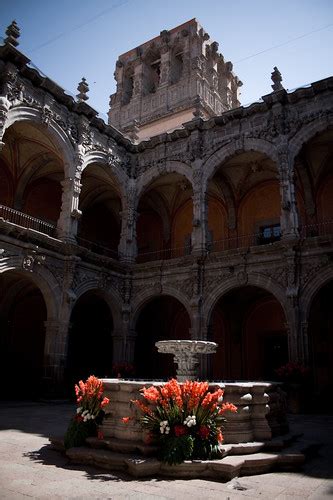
[(276, 79), (83, 88), (13, 33)]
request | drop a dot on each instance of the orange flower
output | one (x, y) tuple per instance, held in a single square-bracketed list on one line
[(151, 394), (104, 402), (220, 437), (227, 407)]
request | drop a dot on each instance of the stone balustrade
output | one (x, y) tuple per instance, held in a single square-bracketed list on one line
[(260, 414)]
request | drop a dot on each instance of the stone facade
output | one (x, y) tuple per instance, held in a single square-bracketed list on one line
[(284, 141)]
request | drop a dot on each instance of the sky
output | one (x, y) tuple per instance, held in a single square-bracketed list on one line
[(69, 39)]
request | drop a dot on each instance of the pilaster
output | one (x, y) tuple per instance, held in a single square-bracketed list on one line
[(55, 351), (200, 212), (127, 248), (289, 215), (70, 214)]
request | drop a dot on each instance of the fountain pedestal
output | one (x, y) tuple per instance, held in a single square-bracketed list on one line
[(186, 355)]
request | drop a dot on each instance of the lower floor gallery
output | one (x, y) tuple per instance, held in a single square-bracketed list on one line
[(249, 324)]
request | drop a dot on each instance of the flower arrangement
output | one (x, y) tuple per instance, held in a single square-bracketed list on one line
[(89, 413), (293, 373), (184, 419)]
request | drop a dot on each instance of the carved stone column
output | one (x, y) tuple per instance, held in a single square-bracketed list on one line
[(70, 213), (200, 214), (165, 67), (129, 345), (292, 342), (127, 249), (4, 107), (304, 344), (137, 81), (117, 347), (55, 351), (289, 215)]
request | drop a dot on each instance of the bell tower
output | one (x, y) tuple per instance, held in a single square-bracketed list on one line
[(170, 80)]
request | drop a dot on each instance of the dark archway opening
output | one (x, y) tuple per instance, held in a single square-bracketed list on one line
[(163, 318), (90, 339), (22, 336), (248, 324), (321, 346)]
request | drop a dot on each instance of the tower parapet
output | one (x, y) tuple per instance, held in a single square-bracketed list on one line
[(169, 80)]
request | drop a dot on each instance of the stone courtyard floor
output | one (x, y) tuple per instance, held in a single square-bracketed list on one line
[(30, 469)]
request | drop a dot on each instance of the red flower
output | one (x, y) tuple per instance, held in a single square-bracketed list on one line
[(180, 430), (125, 420), (78, 418), (203, 431), (220, 437)]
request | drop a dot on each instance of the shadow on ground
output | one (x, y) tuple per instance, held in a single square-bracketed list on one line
[(51, 418)]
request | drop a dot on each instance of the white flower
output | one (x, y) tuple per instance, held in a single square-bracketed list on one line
[(79, 409), (164, 427), (190, 421)]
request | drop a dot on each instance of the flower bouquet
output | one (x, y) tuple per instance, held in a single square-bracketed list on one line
[(89, 413), (184, 419), (293, 373)]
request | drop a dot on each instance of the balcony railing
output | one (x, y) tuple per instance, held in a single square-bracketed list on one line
[(166, 254), (323, 228), (25, 220), (97, 248)]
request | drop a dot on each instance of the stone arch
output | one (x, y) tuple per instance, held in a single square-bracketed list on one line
[(28, 174), (307, 132), (141, 299), (232, 148), (269, 210), (162, 316), (92, 314), (153, 173), (43, 279), (110, 295), (33, 115), (248, 319), (101, 158), (318, 280), (252, 279)]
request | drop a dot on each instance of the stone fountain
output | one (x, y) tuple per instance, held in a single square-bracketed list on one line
[(186, 355), (260, 416)]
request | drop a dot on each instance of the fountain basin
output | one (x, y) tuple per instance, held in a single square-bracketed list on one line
[(260, 416)]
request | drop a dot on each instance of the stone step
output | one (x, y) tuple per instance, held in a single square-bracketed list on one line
[(122, 445), (225, 468)]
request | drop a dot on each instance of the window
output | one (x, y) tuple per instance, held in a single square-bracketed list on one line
[(269, 234)]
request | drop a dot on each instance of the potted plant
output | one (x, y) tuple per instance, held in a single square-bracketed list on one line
[(89, 413), (184, 420)]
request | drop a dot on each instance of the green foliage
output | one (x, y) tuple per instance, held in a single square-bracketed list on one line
[(78, 431), (175, 450)]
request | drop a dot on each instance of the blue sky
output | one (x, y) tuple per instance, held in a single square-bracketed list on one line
[(68, 39)]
